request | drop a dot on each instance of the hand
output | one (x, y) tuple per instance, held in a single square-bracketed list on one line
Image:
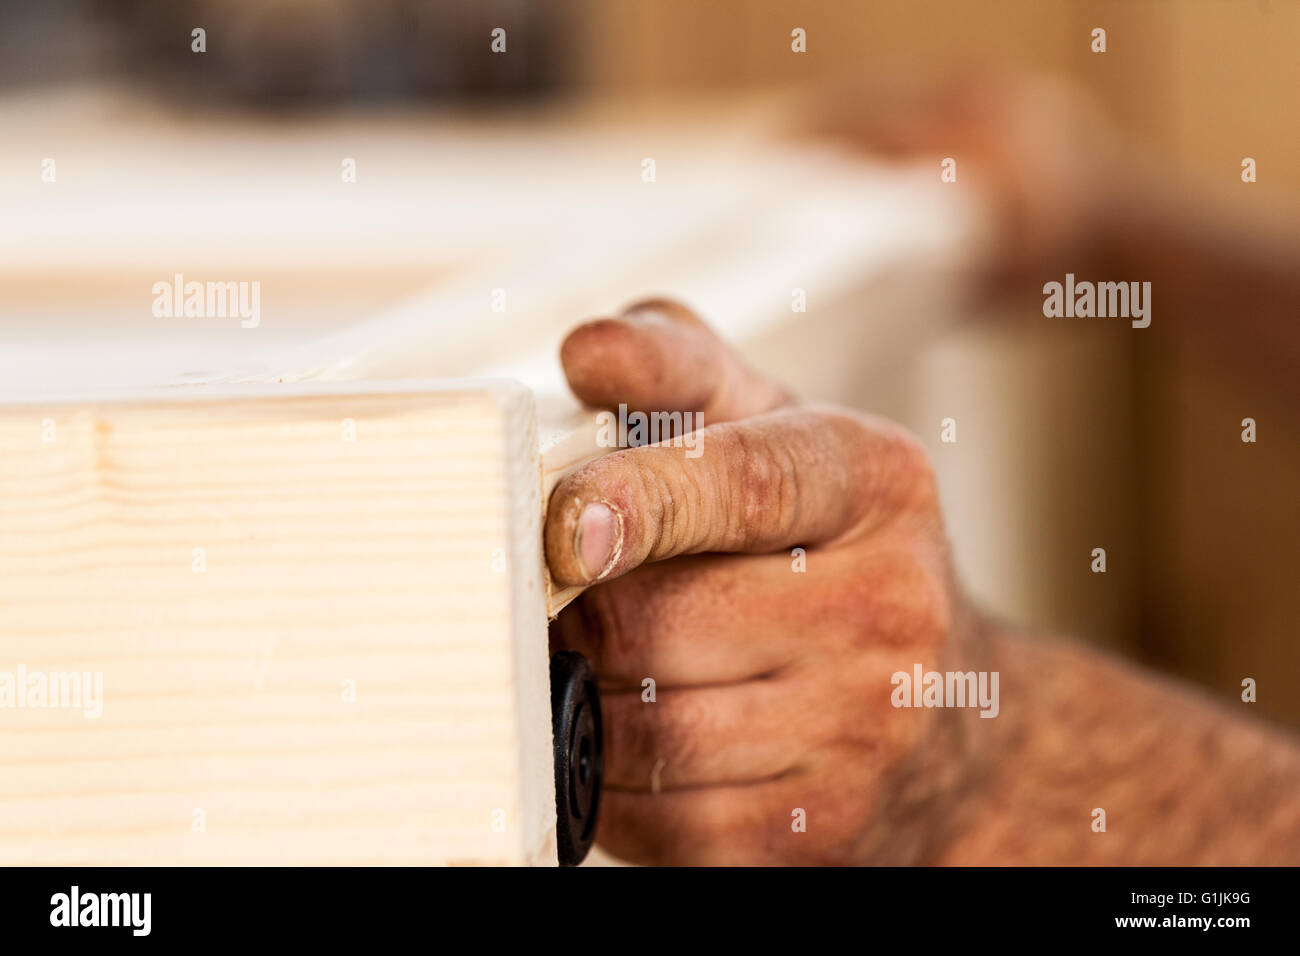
[(1038, 152), (771, 681)]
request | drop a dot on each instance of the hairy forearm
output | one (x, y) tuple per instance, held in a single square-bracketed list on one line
[(1182, 781)]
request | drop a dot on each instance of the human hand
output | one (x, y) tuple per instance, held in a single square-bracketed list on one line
[(771, 684)]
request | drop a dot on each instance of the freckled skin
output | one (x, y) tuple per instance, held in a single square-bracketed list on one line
[(772, 687)]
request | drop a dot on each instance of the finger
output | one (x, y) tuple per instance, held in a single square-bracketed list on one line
[(658, 356), (798, 476), (716, 619), (711, 736), (678, 622), (818, 814), (746, 825)]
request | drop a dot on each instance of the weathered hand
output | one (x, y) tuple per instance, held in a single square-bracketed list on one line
[(771, 667)]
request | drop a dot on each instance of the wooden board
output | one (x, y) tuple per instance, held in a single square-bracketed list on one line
[(237, 569)]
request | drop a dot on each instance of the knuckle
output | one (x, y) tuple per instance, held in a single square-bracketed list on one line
[(901, 602), (913, 468), (694, 507), (901, 473), (765, 488), (665, 513)]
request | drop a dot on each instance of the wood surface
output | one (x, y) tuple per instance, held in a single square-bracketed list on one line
[(403, 564)]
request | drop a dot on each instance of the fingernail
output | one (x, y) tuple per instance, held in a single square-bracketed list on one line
[(596, 538)]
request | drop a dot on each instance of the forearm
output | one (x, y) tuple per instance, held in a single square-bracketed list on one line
[(1181, 780)]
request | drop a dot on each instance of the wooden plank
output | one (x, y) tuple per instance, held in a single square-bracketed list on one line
[(237, 563)]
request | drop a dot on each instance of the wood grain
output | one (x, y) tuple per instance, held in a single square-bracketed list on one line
[(405, 562)]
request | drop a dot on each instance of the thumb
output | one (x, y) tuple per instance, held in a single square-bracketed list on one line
[(659, 356)]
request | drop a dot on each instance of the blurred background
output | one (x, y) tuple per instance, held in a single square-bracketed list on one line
[(522, 170)]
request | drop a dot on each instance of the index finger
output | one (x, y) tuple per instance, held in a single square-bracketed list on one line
[(658, 355), (797, 476)]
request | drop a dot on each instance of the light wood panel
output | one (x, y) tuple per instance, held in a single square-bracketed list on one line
[(403, 564)]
